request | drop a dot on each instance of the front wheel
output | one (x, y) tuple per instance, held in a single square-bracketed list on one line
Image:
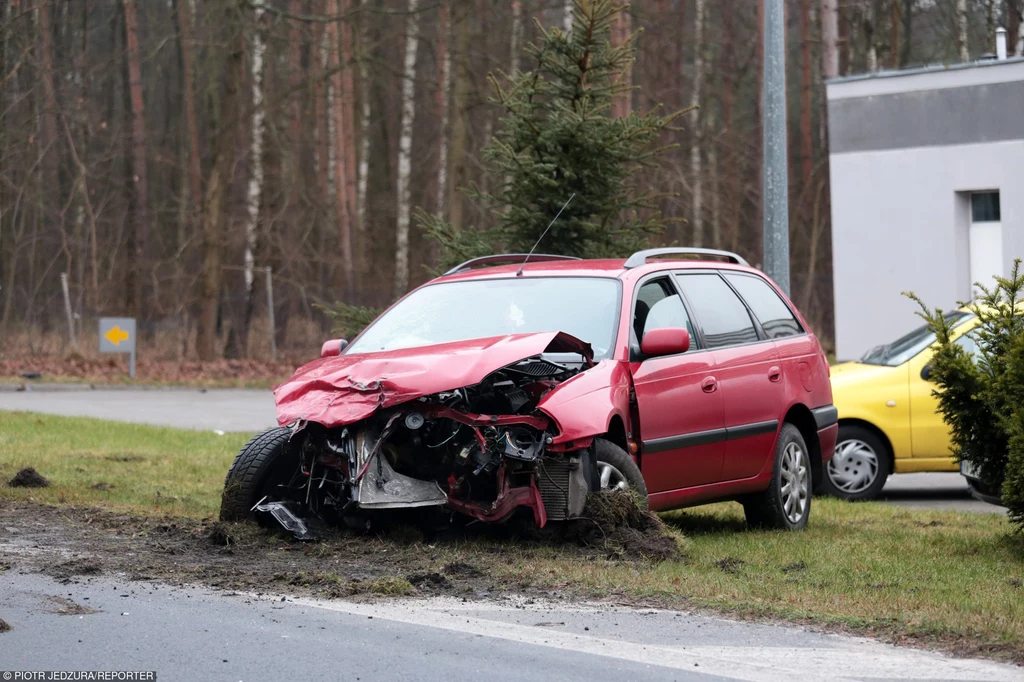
[(786, 504), (258, 471), (616, 470)]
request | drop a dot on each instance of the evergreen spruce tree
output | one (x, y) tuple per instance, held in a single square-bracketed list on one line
[(557, 139)]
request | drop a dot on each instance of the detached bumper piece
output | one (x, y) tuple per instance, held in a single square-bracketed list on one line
[(271, 514)]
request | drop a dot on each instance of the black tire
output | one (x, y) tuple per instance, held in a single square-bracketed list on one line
[(610, 454), (258, 464), (834, 472), (768, 509)]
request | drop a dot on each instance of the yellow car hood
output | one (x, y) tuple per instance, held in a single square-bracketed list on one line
[(847, 373)]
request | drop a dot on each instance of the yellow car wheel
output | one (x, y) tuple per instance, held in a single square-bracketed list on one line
[(859, 467)]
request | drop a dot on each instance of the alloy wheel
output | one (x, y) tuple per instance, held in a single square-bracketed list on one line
[(853, 467), (795, 483), (611, 477)]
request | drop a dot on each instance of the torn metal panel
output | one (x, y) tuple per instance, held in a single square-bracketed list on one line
[(344, 389), (278, 513), (384, 488)]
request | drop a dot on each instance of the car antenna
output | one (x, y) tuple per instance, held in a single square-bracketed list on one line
[(519, 273)]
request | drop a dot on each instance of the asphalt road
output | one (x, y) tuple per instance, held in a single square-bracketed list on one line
[(197, 634), (250, 410)]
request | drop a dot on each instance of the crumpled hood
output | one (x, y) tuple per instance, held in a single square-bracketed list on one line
[(346, 388)]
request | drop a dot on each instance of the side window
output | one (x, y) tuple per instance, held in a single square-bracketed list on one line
[(722, 315), (775, 316), (658, 306)]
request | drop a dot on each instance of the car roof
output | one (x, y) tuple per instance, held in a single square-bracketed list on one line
[(613, 268)]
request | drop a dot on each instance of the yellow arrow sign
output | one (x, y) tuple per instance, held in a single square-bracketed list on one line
[(116, 335)]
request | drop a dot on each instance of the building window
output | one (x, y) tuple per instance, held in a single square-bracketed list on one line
[(985, 207)]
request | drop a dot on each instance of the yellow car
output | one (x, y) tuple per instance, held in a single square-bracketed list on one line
[(888, 418)]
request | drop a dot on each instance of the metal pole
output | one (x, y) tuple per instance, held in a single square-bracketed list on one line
[(776, 181), (270, 313), (131, 362), (67, 308)]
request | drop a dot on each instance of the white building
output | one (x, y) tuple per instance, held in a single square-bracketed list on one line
[(927, 174)]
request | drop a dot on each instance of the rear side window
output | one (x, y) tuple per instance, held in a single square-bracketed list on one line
[(771, 311), (718, 310)]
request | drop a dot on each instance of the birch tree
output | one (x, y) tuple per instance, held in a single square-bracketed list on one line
[(254, 193), (443, 93), (961, 30), (830, 38), (696, 170), (412, 28)]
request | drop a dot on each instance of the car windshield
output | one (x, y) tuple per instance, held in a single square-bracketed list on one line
[(908, 345), (585, 307)]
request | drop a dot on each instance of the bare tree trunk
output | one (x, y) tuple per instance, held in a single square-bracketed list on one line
[(517, 35), (907, 17), (961, 30), (412, 27), (340, 164), (830, 38), (716, 190), (214, 214), (696, 169), (442, 94), (254, 194), (49, 113), (459, 135), (621, 28), (195, 174), (806, 120), (364, 130), (1014, 19), (870, 31), (139, 184), (348, 135), (567, 12)]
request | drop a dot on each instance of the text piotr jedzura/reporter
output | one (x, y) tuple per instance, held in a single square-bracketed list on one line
[(80, 675)]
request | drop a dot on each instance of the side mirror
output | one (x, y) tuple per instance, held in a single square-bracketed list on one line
[(668, 341), (332, 348), (926, 372)]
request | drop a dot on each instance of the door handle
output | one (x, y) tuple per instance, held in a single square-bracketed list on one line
[(774, 374), (709, 385)]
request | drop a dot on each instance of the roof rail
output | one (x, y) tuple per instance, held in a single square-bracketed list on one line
[(640, 257), (506, 258)]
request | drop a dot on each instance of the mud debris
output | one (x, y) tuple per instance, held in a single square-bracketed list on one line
[(621, 524), (28, 478), (220, 536), (4, 627), (66, 607)]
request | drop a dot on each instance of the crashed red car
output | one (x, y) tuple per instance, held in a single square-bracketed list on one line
[(492, 390)]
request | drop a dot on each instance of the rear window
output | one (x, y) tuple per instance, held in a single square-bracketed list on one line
[(771, 311), (718, 310)]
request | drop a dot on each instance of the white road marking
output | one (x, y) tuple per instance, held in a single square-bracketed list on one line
[(850, 659)]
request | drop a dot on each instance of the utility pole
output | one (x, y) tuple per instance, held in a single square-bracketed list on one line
[(776, 181)]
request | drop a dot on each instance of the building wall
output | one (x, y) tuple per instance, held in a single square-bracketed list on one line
[(906, 151), (899, 224)]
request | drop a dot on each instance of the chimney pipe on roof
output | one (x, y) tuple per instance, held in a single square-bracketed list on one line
[(1000, 43)]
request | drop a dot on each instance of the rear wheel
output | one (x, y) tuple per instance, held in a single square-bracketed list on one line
[(616, 470), (859, 467), (786, 504), (259, 470)]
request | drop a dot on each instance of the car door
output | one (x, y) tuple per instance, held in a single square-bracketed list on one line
[(929, 434), (681, 419), (747, 368)]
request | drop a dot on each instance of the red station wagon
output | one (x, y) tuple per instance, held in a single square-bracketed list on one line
[(683, 374)]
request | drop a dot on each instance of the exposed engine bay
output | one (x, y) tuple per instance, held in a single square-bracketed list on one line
[(483, 451)]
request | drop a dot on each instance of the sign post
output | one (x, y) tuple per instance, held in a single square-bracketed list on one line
[(117, 335)]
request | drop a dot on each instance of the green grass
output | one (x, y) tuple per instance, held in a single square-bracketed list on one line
[(948, 577), (125, 467)]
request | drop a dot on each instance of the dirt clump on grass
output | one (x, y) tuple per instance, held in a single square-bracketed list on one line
[(620, 522), (28, 478)]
